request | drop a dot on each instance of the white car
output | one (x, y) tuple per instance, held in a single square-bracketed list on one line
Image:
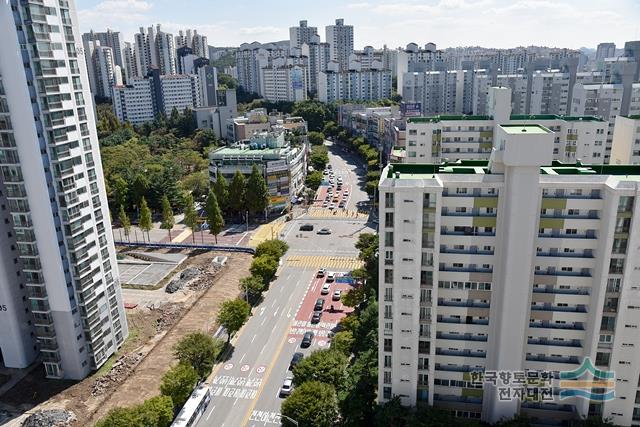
[(336, 295), (287, 387), (345, 193), (326, 288), (331, 277)]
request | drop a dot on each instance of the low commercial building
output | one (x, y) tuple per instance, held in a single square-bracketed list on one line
[(282, 165), (259, 120), (518, 265), (215, 117)]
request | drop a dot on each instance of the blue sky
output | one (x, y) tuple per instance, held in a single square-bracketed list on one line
[(488, 23)]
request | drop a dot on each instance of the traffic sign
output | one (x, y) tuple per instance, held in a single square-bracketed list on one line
[(260, 369)]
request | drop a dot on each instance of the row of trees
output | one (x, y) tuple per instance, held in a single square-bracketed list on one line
[(196, 354)]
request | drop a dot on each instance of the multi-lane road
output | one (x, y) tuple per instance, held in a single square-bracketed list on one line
[(245, 388)]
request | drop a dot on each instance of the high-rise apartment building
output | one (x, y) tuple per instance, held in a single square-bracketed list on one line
[(549, 93), (100, 68), (111, 39), (59, 281), (142, 99), (369, 85), (340, 39), (625, 148), (130, 62), (301, 34), (605, 50), (251, 58), (155, 48), (516, 264), (284, 81), (319, 55), (196, 42)]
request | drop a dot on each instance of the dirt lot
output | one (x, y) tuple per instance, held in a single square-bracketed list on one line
[(148, 351)]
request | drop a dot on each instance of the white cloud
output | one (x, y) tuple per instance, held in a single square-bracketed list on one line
[(120, 15), (259, 30)]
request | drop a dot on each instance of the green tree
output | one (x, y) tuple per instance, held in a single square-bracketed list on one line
[(146, 223), (330, 129), (120, 417), (154, 412), (391, 413), (349, 323), (367, 244), (366, 332), (313, 404), (319, 157), (315, 113), (314, 179), (178, 383), (315, 138), (125, 222), (214, 216), (327, 366), (238, 188), (196, 183), (342, 342), (252, 287), (198, 350), (233, 314), (221, 188), (274, 248), (358, 401), (190, 216), (139, 189), (257, 193), (265, 267), (167, 216), (119, 190), (354, 297)]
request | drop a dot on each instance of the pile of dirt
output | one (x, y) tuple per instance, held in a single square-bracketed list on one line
[(205, 280), (117, 374), (50, 418), (169, 314), (185, 277)]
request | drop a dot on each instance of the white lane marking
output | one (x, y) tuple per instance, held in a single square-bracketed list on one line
[(254, 337), (242, 358), (265, 346), (276, 312), (210, 412), (263, 320), (289, 313)]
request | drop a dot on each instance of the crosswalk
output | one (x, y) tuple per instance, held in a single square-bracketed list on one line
[(342, 263), (336, 213)]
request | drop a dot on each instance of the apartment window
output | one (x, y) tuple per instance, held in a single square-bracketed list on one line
[(388, 200), (388, 311), (388, 219), (386, 392), (388, 344), (387, 377), (388, 239), (616, 266), (388, 294), (388, 276), (387, 361), (603, 359)]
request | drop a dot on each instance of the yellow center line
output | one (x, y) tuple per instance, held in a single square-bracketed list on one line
[(245, 421)]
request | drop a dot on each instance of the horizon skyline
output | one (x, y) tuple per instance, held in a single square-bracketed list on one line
[(572, 24)]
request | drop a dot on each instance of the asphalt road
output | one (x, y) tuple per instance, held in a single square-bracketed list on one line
[(245, 390)]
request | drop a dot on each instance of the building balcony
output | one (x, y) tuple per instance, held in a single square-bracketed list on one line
[(572, 309), (465, 251), (565, 254), (561, 291), (553, 359), (466, 269), (467, 303), (466, 233), (453, 398), (562, 273), (461, 353), (559, 343), (457, 368), (461, 337), (468, 214), (463, 321), (577, 326)]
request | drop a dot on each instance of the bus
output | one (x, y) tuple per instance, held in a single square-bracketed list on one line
[(194, 407)]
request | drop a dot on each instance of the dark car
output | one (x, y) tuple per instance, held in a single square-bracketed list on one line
[(306, 227), (319, 304), (306, 339), (316, 317), (297, 357)]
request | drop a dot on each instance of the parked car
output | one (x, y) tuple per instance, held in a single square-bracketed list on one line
[(319, 304), (321, 272), (306, 339), (324, 230), (336, 295), (325, 204), (342, 204), (332, 206), (315, 318), (295, 359), (331, 277), (325, 289), (287, 387), (306, 227)]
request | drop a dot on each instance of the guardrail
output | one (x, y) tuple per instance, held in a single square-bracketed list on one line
[(223, 248)]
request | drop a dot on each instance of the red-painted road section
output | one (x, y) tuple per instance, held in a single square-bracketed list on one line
[(329, 320), (321, 195)]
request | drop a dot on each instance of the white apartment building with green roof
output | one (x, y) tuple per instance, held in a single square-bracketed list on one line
[(516, 263), (470, 137)]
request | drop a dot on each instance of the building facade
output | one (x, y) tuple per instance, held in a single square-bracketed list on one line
[(301, 34), (59, 280), (357, 85), (340, 39), (515, 264), (285, 82), (101, 68), (625, 148)]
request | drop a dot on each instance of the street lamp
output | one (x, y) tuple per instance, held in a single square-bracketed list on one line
[(295, 423)]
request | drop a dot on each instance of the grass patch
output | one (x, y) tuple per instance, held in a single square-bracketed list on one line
[(106, 367)]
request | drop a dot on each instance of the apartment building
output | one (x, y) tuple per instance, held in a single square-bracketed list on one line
[(605, 50), (142, 99), (59, 281), (319, 55), (625, 148), (251, 58), (433, 139), (155, 48), (109, 38), (284, 81), (101, 68), (301, 34), (366, 85), (130, 61), (340, 39), (515, 264), (440, 91), (549, 93), (414, 59), (194, 41)]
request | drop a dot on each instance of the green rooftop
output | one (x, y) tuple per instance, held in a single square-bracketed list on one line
[(522, 128), (633, 117), (440, 118), (428, 170), (534, 117)]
